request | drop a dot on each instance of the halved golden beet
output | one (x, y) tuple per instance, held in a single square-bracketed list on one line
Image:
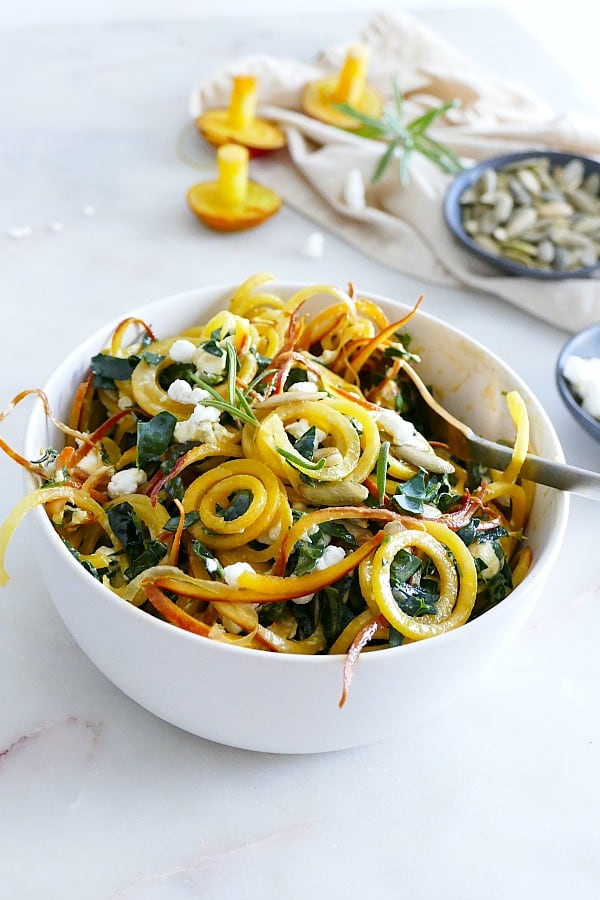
[(319, 98), (232, 203), (238, 123)]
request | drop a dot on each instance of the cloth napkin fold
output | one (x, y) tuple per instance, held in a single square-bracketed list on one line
[(403, 226)]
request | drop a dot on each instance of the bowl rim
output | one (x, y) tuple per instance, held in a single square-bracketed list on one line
[(214, 292), (584, 418), (453, 217)]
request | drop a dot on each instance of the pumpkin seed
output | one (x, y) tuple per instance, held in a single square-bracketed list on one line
[(540, 216)]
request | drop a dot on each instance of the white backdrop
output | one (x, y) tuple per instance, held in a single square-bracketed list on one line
[(569, 27)]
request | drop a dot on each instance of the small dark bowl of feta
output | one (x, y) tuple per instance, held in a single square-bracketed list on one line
[(534, 213), (578, 378)]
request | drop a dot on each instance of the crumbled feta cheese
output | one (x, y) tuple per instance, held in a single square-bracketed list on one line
[(182, 351), (232, 573), (88, 211), (314, 246), (303, 387), (199, 394), (125, 401), (486, 553), (584, 377), (211, 564), (331, 556), (205, 413), (180, 391), (393, 424), (331, 455), (209, 364), (79, 516), (297, 429), (91, 461), (127, 481), (55, 226), (20, 232), (202, 432), (353, 192)]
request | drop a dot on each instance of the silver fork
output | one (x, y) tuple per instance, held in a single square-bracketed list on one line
[(468, 446)]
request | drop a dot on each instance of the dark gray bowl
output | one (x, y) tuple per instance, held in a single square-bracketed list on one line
[(586, 344), (453, 211)]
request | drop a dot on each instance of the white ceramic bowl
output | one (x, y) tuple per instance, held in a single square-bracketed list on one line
[(283, 703)]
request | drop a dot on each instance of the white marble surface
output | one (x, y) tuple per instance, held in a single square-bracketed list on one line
[(495, 798)]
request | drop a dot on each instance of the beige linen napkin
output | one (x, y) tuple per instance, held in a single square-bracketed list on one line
[(404, 227)]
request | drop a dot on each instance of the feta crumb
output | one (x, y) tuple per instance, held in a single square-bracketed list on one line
[(180, 391), (393, 424), (182, 351), (199, 394), (303, 387), (55, 226), (199, 431), (314, 246), (205, 414), (486, 553), (331, 455), (91, 461), (331, 556), (232, 573), (20, 232), (125, 401), (353, 192), (88, 211), (127, 481), (208, 363), (583, 374), (297, 429)]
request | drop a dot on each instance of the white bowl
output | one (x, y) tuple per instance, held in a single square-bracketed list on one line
[(286, 703)]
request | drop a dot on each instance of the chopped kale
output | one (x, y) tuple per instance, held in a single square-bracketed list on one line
[(142, 551), (154, 437), (239, 503), (108, 369)]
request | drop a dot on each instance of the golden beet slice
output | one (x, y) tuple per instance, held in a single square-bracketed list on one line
[(320, 98), (232, 203), (238, 123)]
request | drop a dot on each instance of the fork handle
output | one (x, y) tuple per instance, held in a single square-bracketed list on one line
[(543, 471)]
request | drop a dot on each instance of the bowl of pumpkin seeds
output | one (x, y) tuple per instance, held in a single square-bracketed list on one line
[(534, 213)]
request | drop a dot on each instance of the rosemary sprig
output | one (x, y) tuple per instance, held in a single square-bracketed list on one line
[(300, 462), (243, 412), (408, 137), (381, 470)]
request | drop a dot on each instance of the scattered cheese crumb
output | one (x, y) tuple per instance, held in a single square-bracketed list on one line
[(55, 226), (127, 481), (314, 246), (303, 387), (91, 461), (182, 351), (125, 401), (486, 553), (353, 192), (20, 232), (232, 573), (88, 211), (208, 363), (584, 377), (331, 556)]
